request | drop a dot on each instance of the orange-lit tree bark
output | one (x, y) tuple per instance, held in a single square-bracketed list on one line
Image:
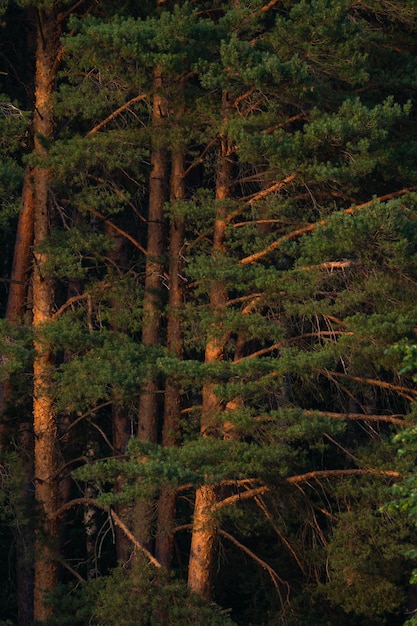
[(45, 426), (204, 531)]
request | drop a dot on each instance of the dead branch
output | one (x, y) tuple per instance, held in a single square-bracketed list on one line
[(260, 502), (115, 113), (406, 392), (240, 497), (390, 419), (316, 475), (116, 519), (276, 580), (118, 230)]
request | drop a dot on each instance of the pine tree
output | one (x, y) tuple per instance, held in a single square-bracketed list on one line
[(231, 251)]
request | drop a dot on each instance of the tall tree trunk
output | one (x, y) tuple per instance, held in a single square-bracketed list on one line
[(121, 422), (148, 401), (17, 296), (172, 407), (204, 532), (15, 309), (45, 426)]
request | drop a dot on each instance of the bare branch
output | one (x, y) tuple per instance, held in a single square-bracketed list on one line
[(277, 346), (240, 497), (260, 502), (316, 475), (116, 519), (118, 230), (115, 113), (390, 419), (67, 304), (276, 580), (406, 392)]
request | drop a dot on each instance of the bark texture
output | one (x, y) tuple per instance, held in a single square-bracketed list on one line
[(45, 426), (204, 532)]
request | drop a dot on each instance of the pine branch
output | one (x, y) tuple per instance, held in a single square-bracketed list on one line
[(316, 475), (303, 230), (390, 419), (241, 497), (68, 303), (406, 392), (280, 344), (300, 478)]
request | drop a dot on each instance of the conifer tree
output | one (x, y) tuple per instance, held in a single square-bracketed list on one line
[(243, 346)]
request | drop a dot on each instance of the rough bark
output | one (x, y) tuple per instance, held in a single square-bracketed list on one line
[(172, 408), (204, 532), (45, 426), (17, 297)]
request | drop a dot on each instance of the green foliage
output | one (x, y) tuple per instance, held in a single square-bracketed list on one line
[(312, 104), (367, 574), (140, 596)]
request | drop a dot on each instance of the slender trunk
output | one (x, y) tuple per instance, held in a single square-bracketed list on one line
[(121, 435), (23, 534), (148, 401), (172, 408), (15, 309), (17, 297), (204, 533), (45, 426), (148, 407), (121, 422)]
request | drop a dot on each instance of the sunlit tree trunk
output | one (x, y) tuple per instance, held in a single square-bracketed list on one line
[(45, 426), (204, 532)]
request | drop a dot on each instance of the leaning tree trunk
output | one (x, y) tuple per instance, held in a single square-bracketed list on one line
[(45, 427), (204, 532), (23, 438), (172, 408)]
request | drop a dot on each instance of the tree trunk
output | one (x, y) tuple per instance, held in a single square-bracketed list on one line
[(148, 401), (121, 422), (45, 426), (172, 408), (204, 532), (15, 308)]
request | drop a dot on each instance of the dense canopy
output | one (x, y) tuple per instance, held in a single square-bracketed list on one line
[(208, 287)]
